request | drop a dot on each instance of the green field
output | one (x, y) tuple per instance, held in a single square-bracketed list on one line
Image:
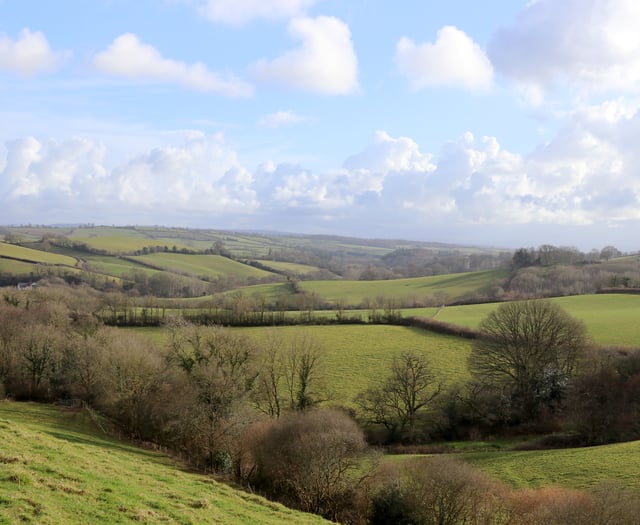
[(57, 466), (355, 357), (290, 268), (574, 467), (36, 256), (440, 288), (116, 266), (16, 267), (120, 244), (210, 266), (611, 319)]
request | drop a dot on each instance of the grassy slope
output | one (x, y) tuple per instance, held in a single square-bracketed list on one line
[(289, 267), (575, 467), (201, 265), (115, 266), (16, 267), (56, 467), (451, 286), (612, 319), (36, 256), (355, 357)]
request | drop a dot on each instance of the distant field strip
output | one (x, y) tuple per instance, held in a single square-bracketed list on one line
[(111, 265), (290, 268), (36, 256), (211, 266), (448, 287), (122, 244)]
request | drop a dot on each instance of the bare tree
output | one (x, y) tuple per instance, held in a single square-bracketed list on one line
[(407, 391), (528, 350)]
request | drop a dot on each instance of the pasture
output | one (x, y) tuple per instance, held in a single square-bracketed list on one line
[(58, 466), (572, 467), (354, 357), (36, 256), (435, 290), (115, 266), (290, 268), (611, 319), (209, 266)]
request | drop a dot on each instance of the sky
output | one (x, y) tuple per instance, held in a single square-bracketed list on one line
[(508, 123)]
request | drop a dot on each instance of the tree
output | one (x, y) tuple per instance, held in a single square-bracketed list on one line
[(528, 351), (407, 391), (289, 377)]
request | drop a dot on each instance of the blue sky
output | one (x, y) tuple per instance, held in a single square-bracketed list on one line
[(506, 123)]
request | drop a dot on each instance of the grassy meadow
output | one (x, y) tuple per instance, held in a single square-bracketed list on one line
[(57, 466), (440, 288), (290, 268), (574, 467), (210, 266), (355, 357), (36, 256), (611, 319)]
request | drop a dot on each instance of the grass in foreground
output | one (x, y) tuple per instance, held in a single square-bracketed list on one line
[(56, 466)]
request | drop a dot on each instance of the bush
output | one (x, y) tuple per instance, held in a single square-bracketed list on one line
[(439, 490), (306, 460)]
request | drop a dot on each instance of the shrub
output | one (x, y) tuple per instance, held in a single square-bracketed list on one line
[(306, 459)]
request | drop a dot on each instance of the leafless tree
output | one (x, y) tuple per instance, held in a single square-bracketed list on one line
[(528, 350), (397, 402)]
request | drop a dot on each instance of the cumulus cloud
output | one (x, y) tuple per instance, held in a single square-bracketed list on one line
[(586, 175), (281, 118), (454, 59), (324, 63), (594, 44), (201, 176), (242, 11), (29, 54), (68, 168), (130, 58)]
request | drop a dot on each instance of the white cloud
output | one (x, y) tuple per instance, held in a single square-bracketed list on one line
[(281, 118), (325, 62), (388, 154), (130, 58), (242, 11), (586, 175), (64, 168), (29, 54), (454, 59), (593, 44), (201, 175)]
